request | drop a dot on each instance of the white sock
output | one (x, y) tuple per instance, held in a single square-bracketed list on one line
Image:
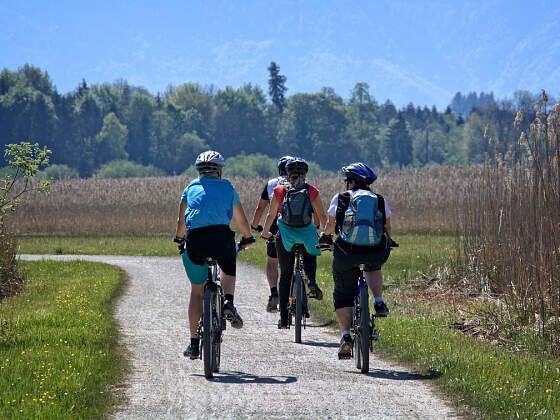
[(345, 332), (378, 299)]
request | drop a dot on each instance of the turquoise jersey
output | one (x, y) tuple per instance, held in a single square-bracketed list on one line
[(210, 202)]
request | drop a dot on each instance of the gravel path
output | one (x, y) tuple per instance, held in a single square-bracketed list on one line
[(264, 374)]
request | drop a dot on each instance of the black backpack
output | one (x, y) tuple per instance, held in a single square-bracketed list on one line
[(296, 207)]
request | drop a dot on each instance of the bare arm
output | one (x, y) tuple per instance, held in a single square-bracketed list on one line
[(331, 223), (388, 225), (319, 211), (261, 207), (241, 220), (181, 228), (272, 210)]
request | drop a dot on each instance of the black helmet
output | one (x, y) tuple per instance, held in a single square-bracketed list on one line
[(297, 165), (209, 161), (359, 172)]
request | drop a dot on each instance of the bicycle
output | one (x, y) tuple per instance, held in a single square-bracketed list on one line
[(213, 321), (363, 324)]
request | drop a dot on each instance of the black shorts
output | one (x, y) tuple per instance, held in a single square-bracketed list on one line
[(346, 258), (217, 242), (271, 248)]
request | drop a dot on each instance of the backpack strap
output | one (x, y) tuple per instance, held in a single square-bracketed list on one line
[(381, 207), (343, 204)]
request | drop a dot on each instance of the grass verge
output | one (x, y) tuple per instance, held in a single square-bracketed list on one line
[(58, 342), (494, 382)]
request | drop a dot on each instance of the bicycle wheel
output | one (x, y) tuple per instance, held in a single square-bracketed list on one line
[(208, 348), (364, 330), (299, 305), (217, 333)]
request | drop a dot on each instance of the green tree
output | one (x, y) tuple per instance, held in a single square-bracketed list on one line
[(239, 121), (276, 86), (139, 122), (25, 159), (398, 145), (172, 150), (363, 126), (315, 127), (110, 142)]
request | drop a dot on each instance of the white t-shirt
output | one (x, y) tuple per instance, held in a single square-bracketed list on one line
[(334, 205)]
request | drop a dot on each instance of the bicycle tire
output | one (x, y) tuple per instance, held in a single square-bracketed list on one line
[(364, 330), (217, 333), (356, 339), (208, 349), (299, 306)]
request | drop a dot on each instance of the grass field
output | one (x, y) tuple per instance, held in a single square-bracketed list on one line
[(59, 343), (492, 381)]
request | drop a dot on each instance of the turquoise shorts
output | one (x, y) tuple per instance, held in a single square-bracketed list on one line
[(197, 274)]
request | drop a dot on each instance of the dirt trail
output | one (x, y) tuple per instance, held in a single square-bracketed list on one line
[(263, 372)]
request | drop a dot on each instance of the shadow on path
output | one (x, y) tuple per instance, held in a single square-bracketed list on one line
[(396, 375), (233, 377), (319, 344), (312, 325)]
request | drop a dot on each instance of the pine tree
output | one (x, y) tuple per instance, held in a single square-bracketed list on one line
[(276, 86)]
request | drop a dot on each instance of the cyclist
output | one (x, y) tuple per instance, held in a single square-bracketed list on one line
[(272, 258), (205, 211), (346, 256), (287, 236)]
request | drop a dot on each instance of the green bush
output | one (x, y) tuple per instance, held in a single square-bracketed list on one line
[(127, 169), (58, 172)]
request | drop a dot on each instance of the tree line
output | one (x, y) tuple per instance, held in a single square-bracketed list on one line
[(99, 124)]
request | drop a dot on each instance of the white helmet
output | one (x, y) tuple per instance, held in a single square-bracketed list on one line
[(209, 161)]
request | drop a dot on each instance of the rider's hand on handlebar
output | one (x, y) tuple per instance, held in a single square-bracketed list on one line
[(392, 244), (245, 242), (325, 241), (182, 245), (259, 228)]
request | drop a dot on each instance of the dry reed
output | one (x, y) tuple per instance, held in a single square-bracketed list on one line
[(417, 198), (510, 223)]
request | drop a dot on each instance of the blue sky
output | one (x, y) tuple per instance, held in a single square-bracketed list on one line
[(407, 51)]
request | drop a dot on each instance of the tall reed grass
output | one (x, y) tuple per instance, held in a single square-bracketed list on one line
[(510, 226), (417, 197)]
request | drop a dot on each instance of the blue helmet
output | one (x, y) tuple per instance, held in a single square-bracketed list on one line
[(359, 171), (297, 165), (282, 162)]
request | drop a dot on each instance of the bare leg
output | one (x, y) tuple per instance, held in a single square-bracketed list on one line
[(272, 272), (344, 316), (228, 284), (374, 279), (195, 307)]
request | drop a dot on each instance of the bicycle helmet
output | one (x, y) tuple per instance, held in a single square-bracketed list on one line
[(297, 165), (209, 161), (282, 162), (359, 172)]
